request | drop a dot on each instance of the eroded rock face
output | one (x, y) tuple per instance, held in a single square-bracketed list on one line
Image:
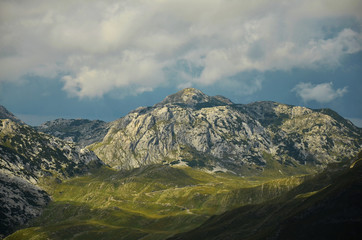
[(29, 154), (169, 133), (319, 136), (19, 202), (204, 131), (191, 97), (81, 131), (25, 157)]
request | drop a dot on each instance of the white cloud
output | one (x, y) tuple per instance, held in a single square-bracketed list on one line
[(131, 69), (322, 93), (97, 46)]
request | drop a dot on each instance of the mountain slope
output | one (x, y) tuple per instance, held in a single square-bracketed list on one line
[(192, 97), (151, 202), (327, 206), (158, 201), (5, 114), (81, 131), (19, 202), (178, 163), (29, 154), (27, 157), (192, 128), (305, 134)]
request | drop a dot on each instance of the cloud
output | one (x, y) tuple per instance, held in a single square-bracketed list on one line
[(96, 46), (132, 69), (322, 93)]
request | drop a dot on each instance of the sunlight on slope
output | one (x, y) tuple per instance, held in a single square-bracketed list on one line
[(153, 202)]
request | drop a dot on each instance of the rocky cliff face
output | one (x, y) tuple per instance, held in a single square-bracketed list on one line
[(81, 131), (192, 128), (29, 154), (19, 202), (25, 157), (306, 135)]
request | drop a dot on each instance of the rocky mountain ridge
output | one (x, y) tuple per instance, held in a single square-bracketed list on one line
[(191, 97), (5, 114), (192, 128), (26, 157), (172, 157), (30, 155), (81, 131)]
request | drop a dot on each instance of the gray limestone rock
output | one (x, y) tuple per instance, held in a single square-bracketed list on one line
[(26, 156), (213, 133), (5, 114), (81, 131)]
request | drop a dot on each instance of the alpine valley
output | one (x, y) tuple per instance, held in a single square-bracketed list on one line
[(190, 167)]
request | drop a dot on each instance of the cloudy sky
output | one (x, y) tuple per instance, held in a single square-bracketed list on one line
[(101, 59)]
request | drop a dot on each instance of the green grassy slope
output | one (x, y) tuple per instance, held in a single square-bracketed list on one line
[(153, 202), (326, 206)]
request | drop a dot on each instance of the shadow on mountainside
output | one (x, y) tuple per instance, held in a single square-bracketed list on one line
[(327, 206)]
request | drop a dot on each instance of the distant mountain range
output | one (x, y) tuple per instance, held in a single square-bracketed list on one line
[(188, 157), (81, 131)]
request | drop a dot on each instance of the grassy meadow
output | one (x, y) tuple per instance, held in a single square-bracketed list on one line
[(153, 202)]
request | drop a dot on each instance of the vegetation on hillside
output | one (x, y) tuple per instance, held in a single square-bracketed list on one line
[(325, 206), (153, 202)]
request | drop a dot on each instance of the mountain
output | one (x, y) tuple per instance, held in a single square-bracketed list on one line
[(81, 131), (30, 155), (191, 97), (20, 201), (215, 134), (28, 159), (180, 202), (327, 206), (5, 114), (150, 202), (190, 167)]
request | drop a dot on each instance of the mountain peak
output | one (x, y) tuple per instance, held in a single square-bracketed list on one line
[(5, 114), (188, 96), (192, 97)]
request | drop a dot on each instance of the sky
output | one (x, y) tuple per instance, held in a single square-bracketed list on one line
[(102, 59)]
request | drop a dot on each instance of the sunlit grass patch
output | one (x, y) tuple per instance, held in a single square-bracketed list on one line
[(153, 202)]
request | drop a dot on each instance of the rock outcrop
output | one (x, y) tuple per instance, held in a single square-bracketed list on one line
[(19, 202), (30, 155), (192, 128), (81, 131), (5, 114), (27, 156)]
